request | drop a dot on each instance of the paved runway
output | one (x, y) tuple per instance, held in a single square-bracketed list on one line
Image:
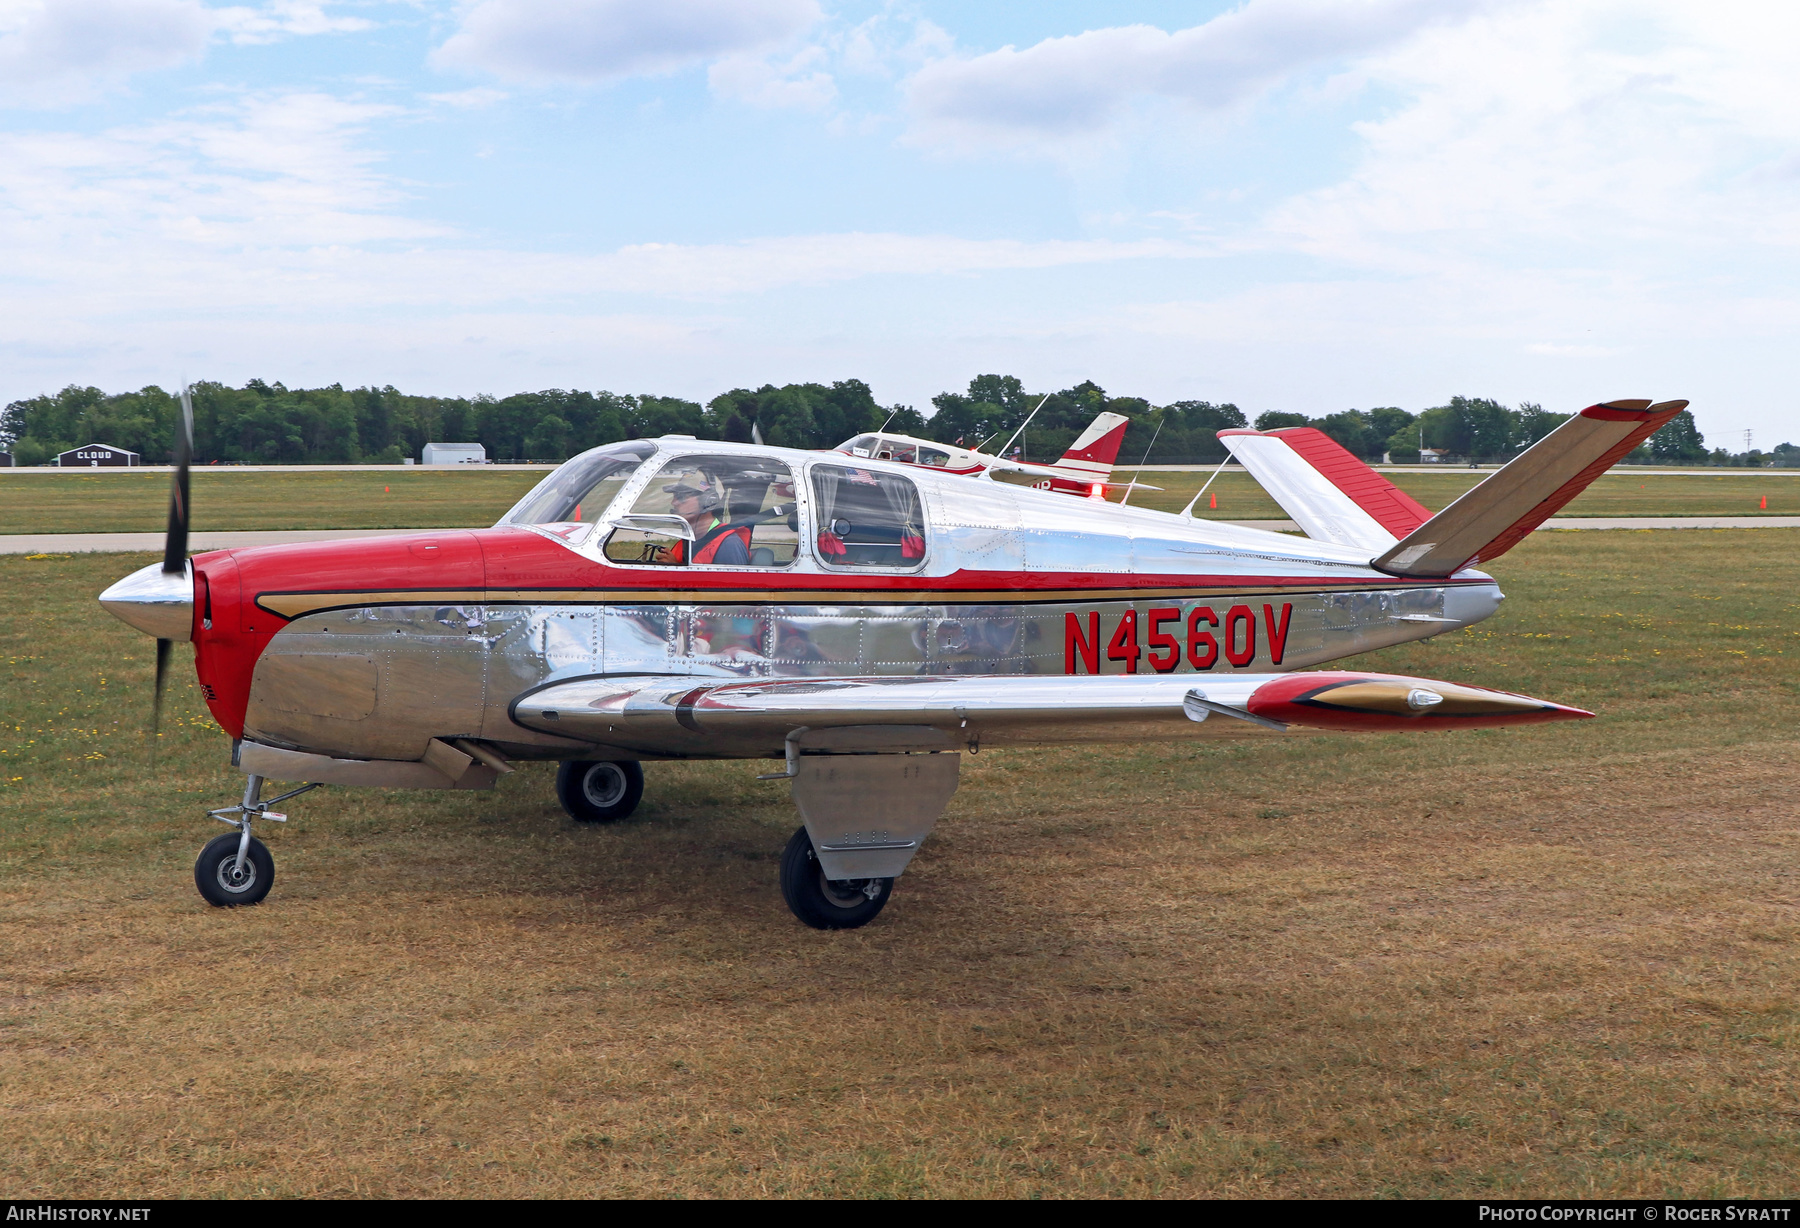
[(79, 543)]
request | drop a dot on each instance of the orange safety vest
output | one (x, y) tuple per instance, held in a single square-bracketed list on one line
[(705, 553)]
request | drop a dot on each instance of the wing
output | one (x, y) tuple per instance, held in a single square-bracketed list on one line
[(704, 717), (1067, 475)]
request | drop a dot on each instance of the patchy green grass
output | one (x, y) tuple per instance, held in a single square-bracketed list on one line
[(74, 502), (1620, 493), (1550, 961), (38, 501)]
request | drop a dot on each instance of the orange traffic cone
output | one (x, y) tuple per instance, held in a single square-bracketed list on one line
[(1765, 503), (1215, 499)]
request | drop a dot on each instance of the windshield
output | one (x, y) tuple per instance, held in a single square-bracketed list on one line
[(581, 488)]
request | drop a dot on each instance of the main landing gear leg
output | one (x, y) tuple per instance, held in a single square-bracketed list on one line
[(236, 868), (868, 806)]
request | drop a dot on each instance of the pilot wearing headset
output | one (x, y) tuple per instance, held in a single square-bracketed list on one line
[(714, 540)]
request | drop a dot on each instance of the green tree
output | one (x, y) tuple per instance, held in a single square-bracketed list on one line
[(1354, 430), (549, 440), (1388, 420), (1535, 422), (1679, 441), (1275, 420)]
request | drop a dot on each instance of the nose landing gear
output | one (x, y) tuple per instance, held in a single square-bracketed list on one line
[(237, 868)]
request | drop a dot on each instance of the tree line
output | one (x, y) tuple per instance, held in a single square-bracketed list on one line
[(269, 423)]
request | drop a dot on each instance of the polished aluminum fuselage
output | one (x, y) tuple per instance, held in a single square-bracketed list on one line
[(1008, 571)]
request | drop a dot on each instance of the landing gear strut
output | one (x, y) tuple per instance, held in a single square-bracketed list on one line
[(236, 868)]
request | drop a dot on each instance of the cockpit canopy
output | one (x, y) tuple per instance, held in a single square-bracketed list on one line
[(730, 507), (900, 448)]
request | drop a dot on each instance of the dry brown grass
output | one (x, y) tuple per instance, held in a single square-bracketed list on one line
[(1534, 962)]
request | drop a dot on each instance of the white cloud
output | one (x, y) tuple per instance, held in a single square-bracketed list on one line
[(60, 51), (605, 40), (1608, 135), (1081, 83), (480, 96), (187, 198), (280, 18), (1571, 351), (763, 82), (56, 52)]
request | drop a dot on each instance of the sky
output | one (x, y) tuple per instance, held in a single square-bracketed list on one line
[(1299, 205)]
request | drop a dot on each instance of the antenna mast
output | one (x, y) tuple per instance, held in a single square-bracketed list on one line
[(1022, 426)]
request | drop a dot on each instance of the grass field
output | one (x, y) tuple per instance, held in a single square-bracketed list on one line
[(1614, 494), (1555, 961), (138, 502)]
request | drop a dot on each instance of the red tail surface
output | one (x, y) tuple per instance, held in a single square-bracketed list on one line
[(1091, 456), (1393, 509)]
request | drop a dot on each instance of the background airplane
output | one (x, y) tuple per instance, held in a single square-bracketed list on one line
[(880, 620), (1085, 469)]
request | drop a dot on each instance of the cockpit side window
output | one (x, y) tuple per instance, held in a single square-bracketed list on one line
[(862, 445), (933, 456), (741, 511), (581, 489), (867, 519)]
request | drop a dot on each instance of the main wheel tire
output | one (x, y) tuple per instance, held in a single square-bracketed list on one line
[(822, 903), (599, 790), (219, 880)]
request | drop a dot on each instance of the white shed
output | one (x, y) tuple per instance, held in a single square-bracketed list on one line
[(94, 455), (453, 454)]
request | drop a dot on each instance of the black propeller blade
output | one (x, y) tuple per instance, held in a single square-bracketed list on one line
[(175, 543)]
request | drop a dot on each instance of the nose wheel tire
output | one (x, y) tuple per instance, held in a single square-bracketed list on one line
[(223, 882), (599, 791), (823, 903)]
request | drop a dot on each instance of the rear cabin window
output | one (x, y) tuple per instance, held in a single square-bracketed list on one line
[(741, 511), (866, 519)]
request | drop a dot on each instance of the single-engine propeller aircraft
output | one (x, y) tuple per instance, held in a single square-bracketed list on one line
[(861, 622), (1085, 469)]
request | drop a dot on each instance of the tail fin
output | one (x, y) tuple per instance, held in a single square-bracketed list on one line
[(1495, 516), (1330, 494), (1097, 447)]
